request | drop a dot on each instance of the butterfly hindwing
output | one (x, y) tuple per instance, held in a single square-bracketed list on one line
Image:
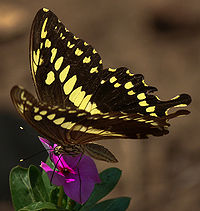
[(68, 125), (53, 122)]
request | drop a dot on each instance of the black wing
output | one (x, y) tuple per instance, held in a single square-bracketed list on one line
[(68, 72), (68, 125)]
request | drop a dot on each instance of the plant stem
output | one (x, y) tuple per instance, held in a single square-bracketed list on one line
[(70, 204), (60, 196)]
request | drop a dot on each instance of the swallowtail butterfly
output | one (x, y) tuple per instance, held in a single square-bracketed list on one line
[(79, 102)]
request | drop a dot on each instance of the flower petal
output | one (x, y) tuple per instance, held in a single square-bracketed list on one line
[(86, 165), (46, 144), (88, 169), (79, 190), (56, 177)]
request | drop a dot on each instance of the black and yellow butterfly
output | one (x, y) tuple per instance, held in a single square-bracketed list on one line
[(80, 102)]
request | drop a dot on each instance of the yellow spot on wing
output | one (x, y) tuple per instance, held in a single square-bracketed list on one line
[(94, 51), (43, 32), (141, 96), (67, 125), (143, 103), (36, 109), (113, 79), (174, 98), (43, 112), (149, 121), (59, 121), (61, 109), (94, 70), (150, 109), (22, 96), (53, 52), (116, 85), (85, 44), (129, 73), (94, 131), (88, 107), (100, 62), (38, 117), (79, 98), (122, 117), (58, 63), (83, 129), (141, 120), (45, 9), (47, 43), (85, 102), (111, 69), (153, 114), (41, 61), (154, 124), (69, 85), (144, 83), (72, 111), (69, 45), (50, 78), (181, 105), (51, 116), (36, 55), (29, 103), (94, 109), (21, 108), (87, 60), (64, 73), (74, 94), (34, 67), (128, 85), (78, 52), (81, 114)]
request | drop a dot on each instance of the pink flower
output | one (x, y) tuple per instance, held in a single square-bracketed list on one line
[(77, 175)]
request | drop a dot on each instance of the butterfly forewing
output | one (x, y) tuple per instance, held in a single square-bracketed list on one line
[(64, 68), (68, 71)]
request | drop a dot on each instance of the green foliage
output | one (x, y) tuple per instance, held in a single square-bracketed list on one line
[(31, 190)]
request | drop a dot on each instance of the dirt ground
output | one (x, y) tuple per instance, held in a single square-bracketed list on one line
[(159, 39)]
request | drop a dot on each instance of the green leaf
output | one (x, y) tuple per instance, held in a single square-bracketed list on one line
[(118, 204), (41, 206), (21, 192), (54, 195), (109, 179), (37, 184)]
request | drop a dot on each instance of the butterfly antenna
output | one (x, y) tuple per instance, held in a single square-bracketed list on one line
[(76, 166), (33, 155), (55, 168)]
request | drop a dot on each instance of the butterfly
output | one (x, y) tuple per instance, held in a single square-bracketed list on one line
[(79, 102)]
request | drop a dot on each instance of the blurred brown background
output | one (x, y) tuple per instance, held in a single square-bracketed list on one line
[(160, 39)]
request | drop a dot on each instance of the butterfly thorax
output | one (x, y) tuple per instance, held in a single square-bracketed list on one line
[(69, 149)]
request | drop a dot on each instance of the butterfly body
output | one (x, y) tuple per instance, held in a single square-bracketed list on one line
[(79, 102)]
